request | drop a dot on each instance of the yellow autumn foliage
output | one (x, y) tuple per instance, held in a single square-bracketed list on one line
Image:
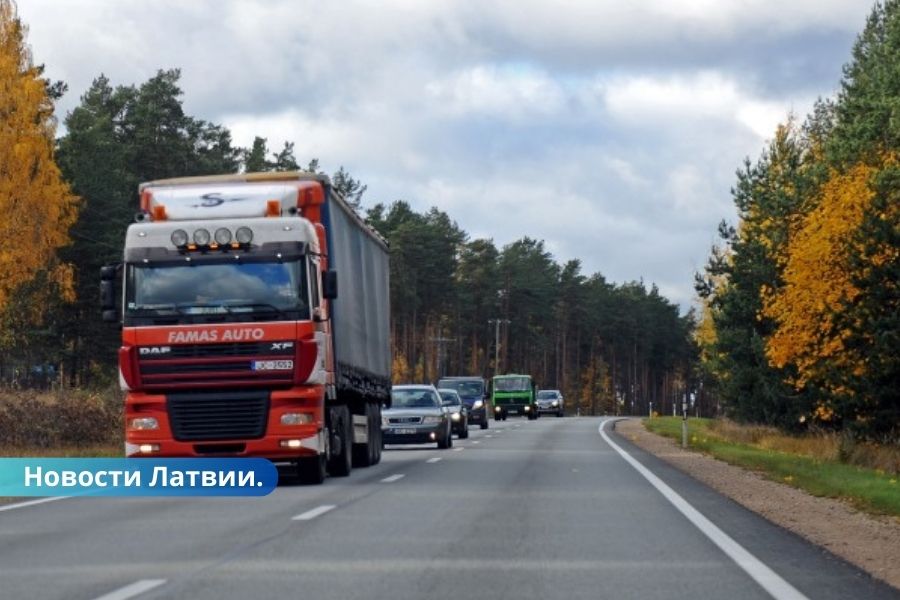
[(36, 204), (818, 282)]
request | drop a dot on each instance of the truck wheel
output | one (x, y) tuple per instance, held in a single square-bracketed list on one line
[(311, 469), (340, 463), (364, 454)]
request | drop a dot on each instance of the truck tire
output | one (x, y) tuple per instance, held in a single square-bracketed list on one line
[(364, 454), (311, 470), (340, 463)]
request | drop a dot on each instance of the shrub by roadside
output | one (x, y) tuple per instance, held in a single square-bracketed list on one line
[(805, 466), (60, 419)]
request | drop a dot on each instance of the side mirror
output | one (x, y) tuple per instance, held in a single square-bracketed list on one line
[(329, 285), (108, 304)]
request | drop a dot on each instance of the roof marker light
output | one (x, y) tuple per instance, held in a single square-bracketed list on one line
[(159, 213), (273, 208)]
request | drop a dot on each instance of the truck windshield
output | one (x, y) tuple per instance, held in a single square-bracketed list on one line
[(512, 384), (218, 291), (466, 389)]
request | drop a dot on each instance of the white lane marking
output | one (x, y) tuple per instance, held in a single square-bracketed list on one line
[(315, 512), (488, 436), (393, 478), (130, 591), (31, 503), (459, 449), (767, 578), (434, 460)]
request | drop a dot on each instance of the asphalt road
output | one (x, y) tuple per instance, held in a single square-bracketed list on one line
[(527, 509)]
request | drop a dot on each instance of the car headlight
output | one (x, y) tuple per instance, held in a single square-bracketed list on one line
[(556, 403), (431, 419), (478, 404), (456, 416)]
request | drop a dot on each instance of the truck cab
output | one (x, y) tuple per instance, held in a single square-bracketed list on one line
[(513, 395), (234, 341)]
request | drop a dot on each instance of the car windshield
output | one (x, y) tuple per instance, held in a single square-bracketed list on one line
[(450, 398), (414, 398), (512, 384), (547, 395), (276, 289), (463, 388)]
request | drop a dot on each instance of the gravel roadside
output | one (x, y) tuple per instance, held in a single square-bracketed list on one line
[(872, 543)]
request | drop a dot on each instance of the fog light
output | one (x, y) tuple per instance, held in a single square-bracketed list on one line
[(201, 237), (148, 448), (223, 236), (143, 423), (432, 436), (179, 238), (293, 444), (296, 418)]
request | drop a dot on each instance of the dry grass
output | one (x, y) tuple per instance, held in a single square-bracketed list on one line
[(819, 445), (60, 420)]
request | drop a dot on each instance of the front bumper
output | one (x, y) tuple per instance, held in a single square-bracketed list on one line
[(548, 409), (515, 409)]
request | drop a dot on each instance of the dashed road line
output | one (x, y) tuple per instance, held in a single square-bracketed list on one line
[(434, 460), (393, 478), (476, 442), (315, 512), (768, 579), (31, 503), (132, 590)]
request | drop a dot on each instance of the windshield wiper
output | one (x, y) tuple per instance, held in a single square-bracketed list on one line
[(253, 306)]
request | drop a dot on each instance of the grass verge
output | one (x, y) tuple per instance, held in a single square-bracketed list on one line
[(872, 490)]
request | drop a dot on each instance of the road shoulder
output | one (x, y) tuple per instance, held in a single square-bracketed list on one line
[(868, 542)]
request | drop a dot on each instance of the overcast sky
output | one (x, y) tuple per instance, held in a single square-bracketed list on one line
[(609, 129)]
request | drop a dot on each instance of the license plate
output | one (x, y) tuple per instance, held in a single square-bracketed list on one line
[(403, 431), (272, 365)]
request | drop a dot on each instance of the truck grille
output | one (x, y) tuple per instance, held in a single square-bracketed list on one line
[(215, 365), (218, 416)]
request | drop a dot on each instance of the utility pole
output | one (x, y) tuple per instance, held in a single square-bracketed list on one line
[(496, 323)]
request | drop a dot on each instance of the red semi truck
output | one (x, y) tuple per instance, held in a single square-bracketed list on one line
[(235, 341)]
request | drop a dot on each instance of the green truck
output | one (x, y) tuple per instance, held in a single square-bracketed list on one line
[(513, 395)]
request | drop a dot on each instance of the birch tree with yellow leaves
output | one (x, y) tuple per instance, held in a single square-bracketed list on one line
[(37, 205)]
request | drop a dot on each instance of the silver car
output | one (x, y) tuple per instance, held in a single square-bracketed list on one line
[(459, 413), (551, 401), (416, 416)]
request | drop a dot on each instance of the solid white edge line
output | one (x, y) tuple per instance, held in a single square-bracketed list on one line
[(434, 460), (767, 578), (31, 503), (130, 591), (393, 478), (315, 512)]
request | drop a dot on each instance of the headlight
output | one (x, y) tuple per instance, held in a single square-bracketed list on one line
[(223, 236), (478, 404), (179, 238), (456, 416), (243, 235), (527, 408), (431, 419), (556, 403), (201, 237), (496, 409), (143, 423), (296, 418)]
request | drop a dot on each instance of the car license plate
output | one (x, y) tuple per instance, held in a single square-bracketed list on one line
[(403, 431), (272, 365)]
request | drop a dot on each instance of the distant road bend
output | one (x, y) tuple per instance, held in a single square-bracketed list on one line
[(553, 508)]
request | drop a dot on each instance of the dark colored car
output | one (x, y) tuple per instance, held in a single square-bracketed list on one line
[(459, 414), (416, 416), (550, 401), (472, 391)]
